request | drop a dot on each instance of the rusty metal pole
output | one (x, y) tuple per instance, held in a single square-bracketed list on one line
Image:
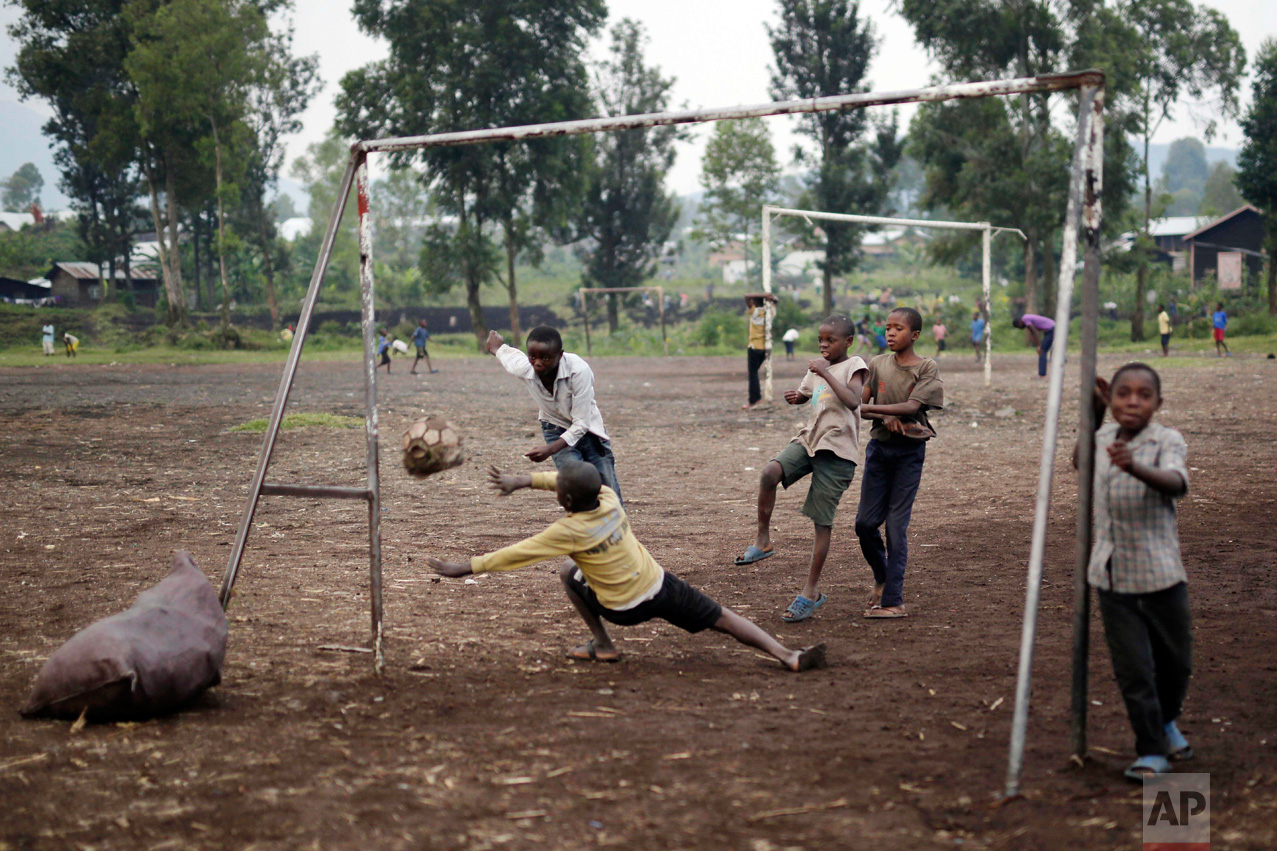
[(1091, 215), (368, 322), (285, 387), (585, 314), (768, 374), (1050, 432), (986, 273)]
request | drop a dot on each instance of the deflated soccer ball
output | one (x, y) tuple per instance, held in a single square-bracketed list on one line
[(431, 446)]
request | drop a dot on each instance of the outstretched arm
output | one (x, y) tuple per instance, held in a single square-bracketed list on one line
[(451, 569), (507, 483)]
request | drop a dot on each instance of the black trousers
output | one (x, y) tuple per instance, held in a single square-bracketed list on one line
[(755, 360), (1150, 638)]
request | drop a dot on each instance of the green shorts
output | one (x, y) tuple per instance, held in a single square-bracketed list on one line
[(830, 475)]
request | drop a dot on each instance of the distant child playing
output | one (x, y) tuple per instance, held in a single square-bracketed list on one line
[(827, 448), (72, 344), (419, 336), (1140, 473), (1219, 319), (609, 575), (1042, 330), (977, 335), (939, 332), (1164, 328), (900, 389), (562, 385), (383, 350)]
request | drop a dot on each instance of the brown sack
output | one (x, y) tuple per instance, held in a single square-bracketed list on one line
[(151, 659)]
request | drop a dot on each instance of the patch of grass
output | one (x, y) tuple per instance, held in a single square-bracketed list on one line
[(258, 426)]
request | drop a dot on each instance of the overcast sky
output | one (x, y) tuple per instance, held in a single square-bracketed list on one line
[(717, 51)]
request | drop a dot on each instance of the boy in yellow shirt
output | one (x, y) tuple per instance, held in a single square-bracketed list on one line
[(609, 575)]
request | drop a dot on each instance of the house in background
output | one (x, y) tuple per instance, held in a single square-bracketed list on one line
[(1169, 238), (1229, 250), (18, 291), (80, 284)]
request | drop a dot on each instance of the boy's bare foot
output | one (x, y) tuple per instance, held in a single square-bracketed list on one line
[(886, 612), (590, 651), (807, 659), (875, 596)]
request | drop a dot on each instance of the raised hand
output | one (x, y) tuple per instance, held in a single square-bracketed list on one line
[(494, 342), (507, 483)]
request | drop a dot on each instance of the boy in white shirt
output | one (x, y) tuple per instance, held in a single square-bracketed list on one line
[(562, 385)]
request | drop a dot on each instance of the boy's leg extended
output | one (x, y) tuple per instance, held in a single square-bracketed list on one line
[(830, 477), (1127, 632), (603, 648), (904, 487), (768, 481), (751, 634)]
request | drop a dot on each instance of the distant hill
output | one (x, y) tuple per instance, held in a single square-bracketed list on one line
[(1157, 155)]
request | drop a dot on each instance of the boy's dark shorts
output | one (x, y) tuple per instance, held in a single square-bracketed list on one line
[(1166, 339), (676, 602), (385, 357), (421, 351), (939, 345), (831, 475)]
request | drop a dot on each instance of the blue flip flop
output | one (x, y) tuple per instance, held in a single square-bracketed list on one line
[(1147, 766), (802, 608), (753, 554), (1180, 748)]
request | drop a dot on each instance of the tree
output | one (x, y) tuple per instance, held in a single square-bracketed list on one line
[(458, 66), (739, 174), (320, 171), (1257, 163), (1181, 50), (1219, 194), (822, 48), (72, 55), (22, 189), (628, 216)]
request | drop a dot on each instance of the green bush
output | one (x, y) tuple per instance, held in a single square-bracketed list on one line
[(718, 327)]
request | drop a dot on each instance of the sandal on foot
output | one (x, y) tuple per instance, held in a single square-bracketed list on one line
[(1180, 749), (802, 608), (1147, 766), (886, 612), (810, 658), (588, 652), (753, 554)]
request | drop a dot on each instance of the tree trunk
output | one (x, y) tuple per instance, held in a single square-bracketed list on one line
[(221, 230), (175, 258), (613, 312), (827, 289), (196, 221), (1050, 288), (1141, 272), (511, 253), (172, 294), (1272, 275), (268, 264), (1031, 296)]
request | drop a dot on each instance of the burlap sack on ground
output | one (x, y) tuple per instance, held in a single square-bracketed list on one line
[(151, 659)]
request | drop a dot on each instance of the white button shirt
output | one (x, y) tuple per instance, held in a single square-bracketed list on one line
[(571, 406)]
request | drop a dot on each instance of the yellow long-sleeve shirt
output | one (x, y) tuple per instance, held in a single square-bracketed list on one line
[(616, 566)]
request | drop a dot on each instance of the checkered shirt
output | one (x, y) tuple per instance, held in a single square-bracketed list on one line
[(1136, 548)]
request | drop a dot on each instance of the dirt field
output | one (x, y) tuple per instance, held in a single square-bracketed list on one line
[(481, 735)]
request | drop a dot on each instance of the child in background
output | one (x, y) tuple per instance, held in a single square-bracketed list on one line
[(791, 337), (1219, 319), (939, 332), (72, 343), (1135, 565), (609, 575), (1042, 330), (901, 388), (827, 448), (977, 335), (46, 338), (419, 336), (562, 385), (880, 336), (1164, 328), (383, 350)]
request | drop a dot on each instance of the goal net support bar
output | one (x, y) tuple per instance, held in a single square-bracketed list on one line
[(1082, 217), (986, 231)]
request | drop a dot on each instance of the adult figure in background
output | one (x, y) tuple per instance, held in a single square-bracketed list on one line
[(46, 338), (1042, 330), (757, 348)]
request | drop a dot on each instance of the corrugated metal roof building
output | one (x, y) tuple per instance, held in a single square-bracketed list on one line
[(79, 284)]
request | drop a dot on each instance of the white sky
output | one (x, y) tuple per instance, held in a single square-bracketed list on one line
[(717, 51)]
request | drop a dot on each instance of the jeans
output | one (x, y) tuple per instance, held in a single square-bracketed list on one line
[(1048, 337), (755, 358), (1150, 638), (591, 449), (893, 470)]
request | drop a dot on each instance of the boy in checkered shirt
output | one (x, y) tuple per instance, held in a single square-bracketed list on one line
[(1135, 564)]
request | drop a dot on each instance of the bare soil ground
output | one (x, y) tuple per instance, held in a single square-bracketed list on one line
[(481, 735)]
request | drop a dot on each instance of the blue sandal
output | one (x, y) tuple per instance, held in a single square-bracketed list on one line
[(1147, 766), (753, 554), (802, 608), (1180, 749)]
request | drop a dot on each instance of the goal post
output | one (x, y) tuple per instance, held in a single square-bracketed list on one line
[(986, 230), (1082, 218)]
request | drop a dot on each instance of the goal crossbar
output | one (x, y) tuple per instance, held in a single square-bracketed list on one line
[(986, 230), (1082, 216)]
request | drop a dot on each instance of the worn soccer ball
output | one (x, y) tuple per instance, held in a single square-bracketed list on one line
[(431, 446)]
